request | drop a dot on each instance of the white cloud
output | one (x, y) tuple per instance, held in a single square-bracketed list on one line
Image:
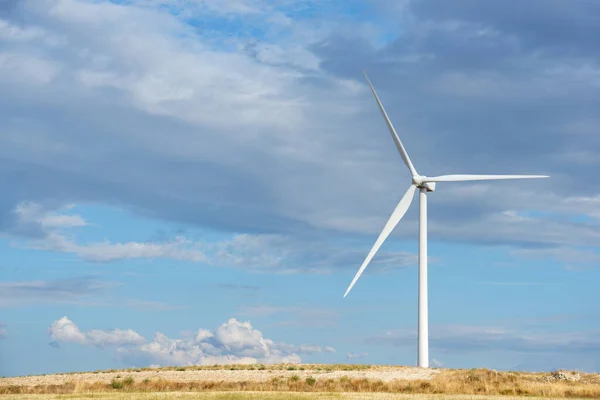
[(353, 356), (309, 349), (165, 70), (286, 255), (241, 338), (62, 221), (40, 219), (180, 249), (64, 330), (46, 229), (163, 66), (232, 342), (50, 225)]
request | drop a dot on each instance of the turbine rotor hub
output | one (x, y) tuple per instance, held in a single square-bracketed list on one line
[(420, 182)]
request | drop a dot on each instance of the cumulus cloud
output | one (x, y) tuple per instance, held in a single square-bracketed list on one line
[(64, 330), (232, 342), (241, 338)]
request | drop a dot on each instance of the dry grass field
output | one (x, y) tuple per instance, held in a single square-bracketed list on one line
[(301, 382), (258, 396)]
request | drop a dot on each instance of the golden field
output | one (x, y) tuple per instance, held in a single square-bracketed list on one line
[(301, 382)]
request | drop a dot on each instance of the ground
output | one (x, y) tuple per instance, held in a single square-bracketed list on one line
[(260, 396), (385, 374), (299, 382)]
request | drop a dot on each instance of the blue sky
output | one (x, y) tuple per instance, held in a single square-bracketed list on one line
[(190, 182)]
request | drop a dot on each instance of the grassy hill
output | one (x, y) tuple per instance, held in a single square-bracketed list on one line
[(304, 381)]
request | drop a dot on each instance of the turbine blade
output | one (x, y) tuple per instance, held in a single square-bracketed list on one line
[(395, 136), (464, 178), (396, 216)]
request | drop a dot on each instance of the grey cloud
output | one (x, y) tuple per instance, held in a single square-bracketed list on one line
[(49, 227), (86, 291), (558, 26), (73, 290), (479, 103), (67, 168), (9, 7), (572, 258), (467, 96), (465, 339), (285, 254), (246, 145), (272, 253)]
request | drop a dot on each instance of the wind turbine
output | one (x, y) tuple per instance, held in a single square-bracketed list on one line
[(424, 184)]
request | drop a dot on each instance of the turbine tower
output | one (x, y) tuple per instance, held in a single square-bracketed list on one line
[(424, 184)]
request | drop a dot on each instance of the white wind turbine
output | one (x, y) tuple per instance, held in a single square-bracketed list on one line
[(424, 184)]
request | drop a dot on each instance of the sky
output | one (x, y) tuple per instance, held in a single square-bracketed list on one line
[(197, 182)]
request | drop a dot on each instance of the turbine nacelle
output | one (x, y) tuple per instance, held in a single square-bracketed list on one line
[(420, 181), (430, 186)]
